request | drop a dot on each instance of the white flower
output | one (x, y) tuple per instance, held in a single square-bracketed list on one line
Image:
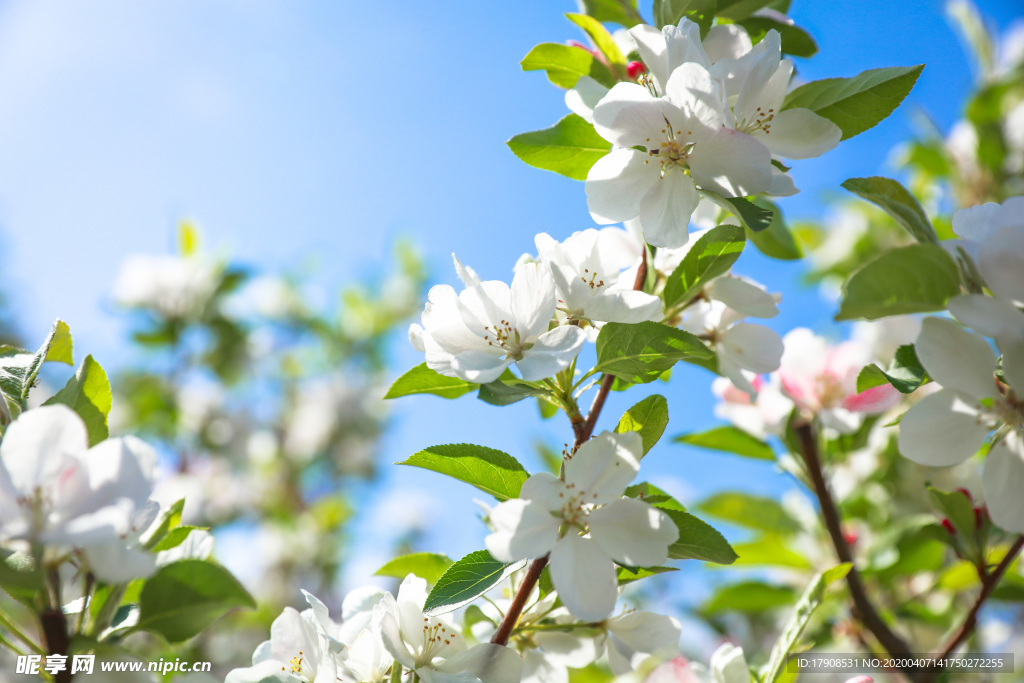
[(174, 286), (478, 333), (432, 647), (760, 90), (57, 491), (630, 636), (585, 524), (949, 426), (823, 380), (299, 650), (586, 268), (741, 347), (688, 144), (760, 414)]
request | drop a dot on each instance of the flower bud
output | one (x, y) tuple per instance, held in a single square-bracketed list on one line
[(634, 69)]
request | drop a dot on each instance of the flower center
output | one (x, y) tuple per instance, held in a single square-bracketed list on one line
[(575, 508), (673, 152), (591, 280), (295, 665), (506, 338), (436, 638), (762, 120)]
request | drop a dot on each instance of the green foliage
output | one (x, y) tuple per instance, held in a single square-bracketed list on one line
[(809, 602), (654, 496), (603, 40), (506, 390), (731, 440), (770, 550), (894, 199), (795, 40), (568, 148), (183, 598), (777, 240), (466, 580), (698, 540), (858, 103), (19, 369), (712, 255), (740, 9), (756, 217), (428, 566), (623, 13), (905, 373), (752, 512), (631, 574), (564, 64), (19, 576), (957, 508), (639, 353), (749, 597), (423, 380), (490, 470), (669, 12), (649, 417), (88, 394), (168, 521), (916, 279)]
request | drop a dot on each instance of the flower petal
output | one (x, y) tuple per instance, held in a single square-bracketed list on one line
[(744, 297), (1003, 481), (956, 358), (753, 347), (37, 445), (987, 315), (666, 208), (941, 430), (533, 299), (584, 96), (522, 529), (629, 115), (616, 183), (604, 466), (633, 532), (551, 353), (584, 577), (801, 134), (732, 164)]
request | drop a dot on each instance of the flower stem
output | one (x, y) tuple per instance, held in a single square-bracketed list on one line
[(582, 429)]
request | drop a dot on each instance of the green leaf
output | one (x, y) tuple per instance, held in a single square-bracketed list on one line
[(777, 240), (568, 148), (653, 495), (19, 576), (88, 394), (739, 9), (858, 103), (752, 512), (731, 440), (423, 380), (61, 346), (490, 470), (640, 353), (612, 11), (428, 566), (176, 537), (169, 520), (503, 393), (956, 507), (915, 279), (182, 598), (809, 601), (649, 417), (698, 540), (564, 64), (749, 597), (710, 256), (631, 574), (602, 39), (466, 580), (669, 12), (896, 201), (754, 216), (770, 550), (795, 40), (905, 373), (188, 238)]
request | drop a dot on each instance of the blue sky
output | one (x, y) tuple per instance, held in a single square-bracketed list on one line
[(287, 129)]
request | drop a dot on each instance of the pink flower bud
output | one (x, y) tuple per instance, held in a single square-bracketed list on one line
[(949, 526), (634, 69)]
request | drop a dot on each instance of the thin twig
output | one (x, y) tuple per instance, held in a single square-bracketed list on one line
[(582, 431), (987, 586), (863, 610)]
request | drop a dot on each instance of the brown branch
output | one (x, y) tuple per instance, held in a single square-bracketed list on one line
[(582, 431), (862, 610), (55, 630), (987, 586)]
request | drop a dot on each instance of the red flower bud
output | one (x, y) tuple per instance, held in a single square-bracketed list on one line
[(634, 69), (850, 536), (949, 526), (966, 493)]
